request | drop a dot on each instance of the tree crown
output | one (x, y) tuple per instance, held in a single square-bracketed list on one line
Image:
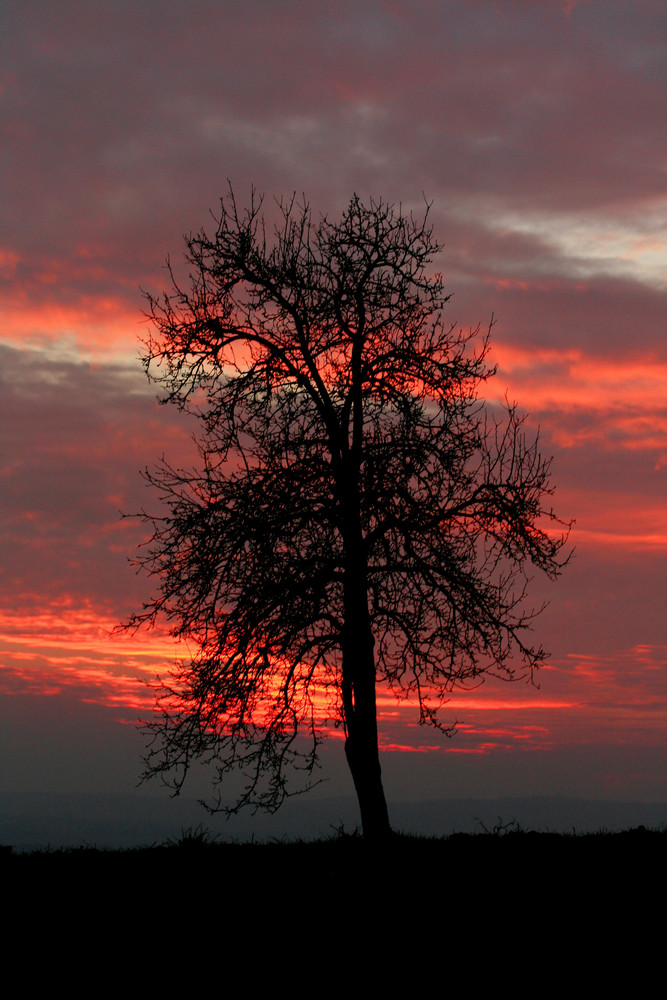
[(347, 461)]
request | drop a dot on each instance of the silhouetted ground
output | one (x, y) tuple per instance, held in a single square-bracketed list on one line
[(510, 860), (486, 907), (542, 912)]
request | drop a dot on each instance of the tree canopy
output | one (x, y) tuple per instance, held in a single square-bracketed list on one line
[(359, 515)]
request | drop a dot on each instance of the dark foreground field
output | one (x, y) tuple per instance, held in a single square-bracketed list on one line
[(477, 905), (531, 911), (507, 859)]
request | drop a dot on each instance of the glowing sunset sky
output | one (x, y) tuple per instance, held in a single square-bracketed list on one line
[(537, 129)]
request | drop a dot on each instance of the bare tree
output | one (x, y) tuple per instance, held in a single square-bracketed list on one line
[(359, 514)]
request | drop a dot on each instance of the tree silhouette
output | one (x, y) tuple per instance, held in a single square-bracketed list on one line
[(358, 516)]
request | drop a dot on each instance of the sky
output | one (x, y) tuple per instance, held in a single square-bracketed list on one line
[(537, 132)]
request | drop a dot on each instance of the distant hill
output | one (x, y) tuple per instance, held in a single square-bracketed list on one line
[(30, 821)]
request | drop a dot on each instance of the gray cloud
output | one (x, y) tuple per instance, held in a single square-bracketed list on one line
[(74, 440), (123, 119)]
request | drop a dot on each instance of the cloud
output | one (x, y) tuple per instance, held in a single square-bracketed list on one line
[(538, 132), (124, 120), (75, 439)]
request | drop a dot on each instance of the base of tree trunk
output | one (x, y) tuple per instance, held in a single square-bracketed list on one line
[(367, 777)]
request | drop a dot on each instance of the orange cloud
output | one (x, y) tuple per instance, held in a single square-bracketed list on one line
[(570, 379), (98, 327)]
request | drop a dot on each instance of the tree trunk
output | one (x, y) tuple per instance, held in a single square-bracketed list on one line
[(359, 705), (363, 760), (358, 644)]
